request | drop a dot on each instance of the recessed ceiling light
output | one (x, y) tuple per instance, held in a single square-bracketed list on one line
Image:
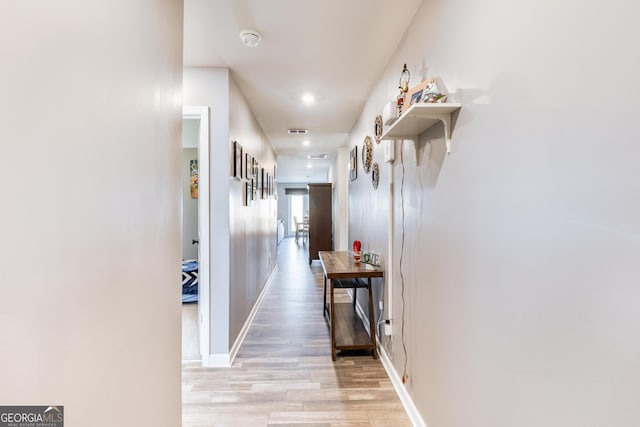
[(308, 98), (250, 38), (306, 142), (309, 166)]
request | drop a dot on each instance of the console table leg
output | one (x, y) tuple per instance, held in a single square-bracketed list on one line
[(333, 329), (372, 323), (324, 296)]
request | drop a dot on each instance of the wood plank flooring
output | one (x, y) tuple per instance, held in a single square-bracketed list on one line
[(283, 374)]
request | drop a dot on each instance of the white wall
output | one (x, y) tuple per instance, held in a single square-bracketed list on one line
[(339, 176), (210, 87), (190, 133), (90, 253), (243, 239), (252, 228), (521, 247)]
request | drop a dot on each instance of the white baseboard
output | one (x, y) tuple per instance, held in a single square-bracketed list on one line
[(225, 360), (403, 394), (247, 324), (218, 360)]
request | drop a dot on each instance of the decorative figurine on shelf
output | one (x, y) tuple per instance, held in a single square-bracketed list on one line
[(357, 251), (403, 85), (432, 95)]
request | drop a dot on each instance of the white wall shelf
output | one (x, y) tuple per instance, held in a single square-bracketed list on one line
[(420, 117)]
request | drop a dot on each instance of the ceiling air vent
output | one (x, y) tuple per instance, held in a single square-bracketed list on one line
[(297, 131), (316, 156)]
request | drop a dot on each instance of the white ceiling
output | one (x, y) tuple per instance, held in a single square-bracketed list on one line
[(334, 49)]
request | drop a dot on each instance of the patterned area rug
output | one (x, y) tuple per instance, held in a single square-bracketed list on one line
[(190, 280)]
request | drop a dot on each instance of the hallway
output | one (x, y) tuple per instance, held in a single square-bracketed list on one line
[(283, 373)]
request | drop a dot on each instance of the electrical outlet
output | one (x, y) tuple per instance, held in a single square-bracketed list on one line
[(387, 327), (380, 305)]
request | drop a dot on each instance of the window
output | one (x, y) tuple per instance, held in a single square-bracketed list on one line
[(296, 210)]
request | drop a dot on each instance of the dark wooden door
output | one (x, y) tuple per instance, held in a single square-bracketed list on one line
[(320, 221)]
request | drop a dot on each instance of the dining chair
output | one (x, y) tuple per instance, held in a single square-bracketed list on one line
[(302, 231)]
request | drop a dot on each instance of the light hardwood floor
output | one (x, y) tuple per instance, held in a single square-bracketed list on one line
[(283, 374), (190, 338)]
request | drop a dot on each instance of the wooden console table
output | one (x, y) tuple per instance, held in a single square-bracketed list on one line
[(347, 331)]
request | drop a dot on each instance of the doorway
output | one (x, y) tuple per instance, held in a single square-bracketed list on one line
[(297, 205), (297, 211), (195, 230)]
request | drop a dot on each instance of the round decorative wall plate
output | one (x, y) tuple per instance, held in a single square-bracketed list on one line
[(367, 154), (375, 175), (378, 128)]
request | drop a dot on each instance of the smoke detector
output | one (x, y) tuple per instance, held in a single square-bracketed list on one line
[(250, 38)]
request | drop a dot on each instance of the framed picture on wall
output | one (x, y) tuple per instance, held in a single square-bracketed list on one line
[(265, 192), (247, 165), (193, 178), (254, 188), (378, 128), (254, 167), (258, 185), (236, 160), (246, 193), (353, 163)]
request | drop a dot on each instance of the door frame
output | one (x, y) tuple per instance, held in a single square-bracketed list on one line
[(204, 258)]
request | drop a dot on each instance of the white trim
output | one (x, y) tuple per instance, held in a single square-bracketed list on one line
[(247, 324), (225, 360), (204, 261), (388, 277), (403, 394), (219, 360)]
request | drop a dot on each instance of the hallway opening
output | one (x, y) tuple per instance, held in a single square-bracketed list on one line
[(283, 373)]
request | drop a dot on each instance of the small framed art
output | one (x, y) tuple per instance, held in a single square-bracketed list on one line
[(375, 175), (254, 168), (353, 163), (236, 161), (254, 188), (262, 186), (378, 128), (246, 194), (193, 178), (367, 154), (248, 160)]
